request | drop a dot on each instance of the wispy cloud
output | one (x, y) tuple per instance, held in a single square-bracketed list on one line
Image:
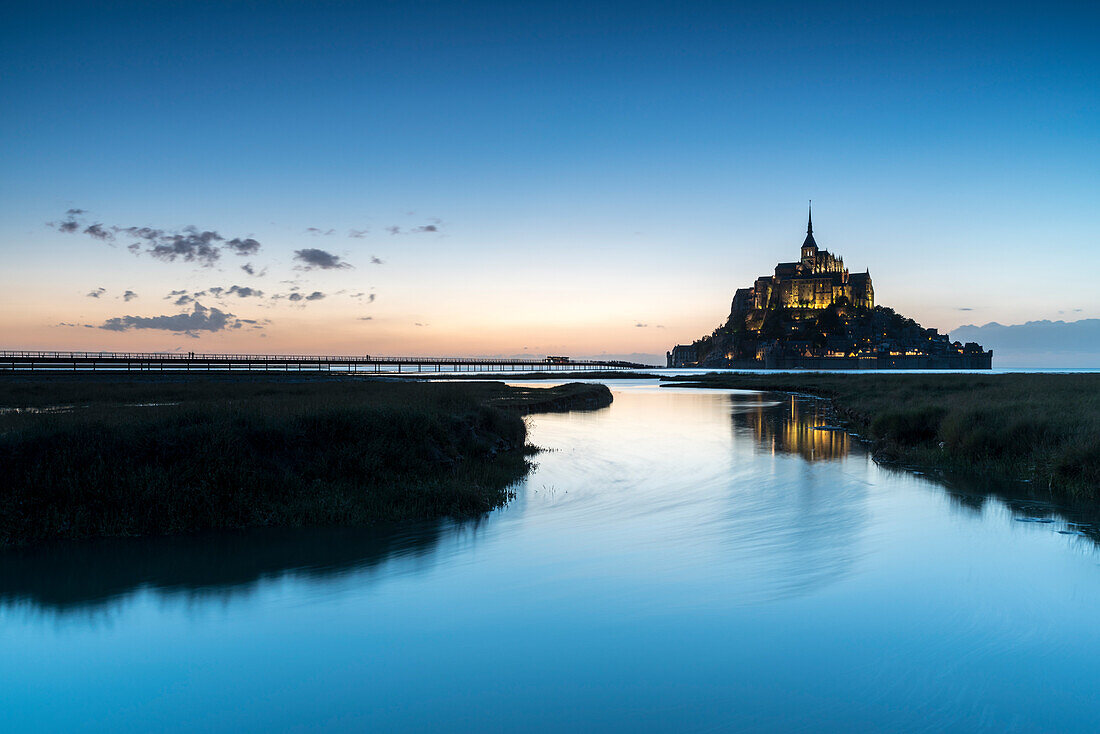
[(376, 261), (314, 258), (434, 227), (316, 231), (189, 244), (96, 293), (70, 224), (357, 233), (98, 231)]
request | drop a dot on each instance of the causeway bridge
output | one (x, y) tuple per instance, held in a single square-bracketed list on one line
[(206, 362)]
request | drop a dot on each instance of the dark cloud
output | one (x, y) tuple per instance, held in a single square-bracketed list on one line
[(296, 297), (358, 233), (199, 319), (174, 293), (376, 261), (433, 227), (314, 258), (183, 300), (191, 245), (243, 291), (963, 308), (641, 325), (366, 318), (362, 294), (246, 246), (98, 231), (251, 270), (322, 232), (70, 224), (146, 233), (96, 293), (129, 296)]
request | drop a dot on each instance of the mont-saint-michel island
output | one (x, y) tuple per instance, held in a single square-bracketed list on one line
[(814, 313)]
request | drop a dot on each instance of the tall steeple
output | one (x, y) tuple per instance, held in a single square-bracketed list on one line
[(809, 232)]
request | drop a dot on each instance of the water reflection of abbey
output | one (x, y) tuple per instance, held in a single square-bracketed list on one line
[(799, 426)]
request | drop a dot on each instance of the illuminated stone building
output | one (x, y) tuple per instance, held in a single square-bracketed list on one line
[(818, 280)]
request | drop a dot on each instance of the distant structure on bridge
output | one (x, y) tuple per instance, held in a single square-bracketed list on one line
[(814, 314)]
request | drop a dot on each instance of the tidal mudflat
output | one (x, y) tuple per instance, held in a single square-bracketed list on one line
[(680, 560)]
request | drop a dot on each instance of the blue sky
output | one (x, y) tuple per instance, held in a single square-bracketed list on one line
[(586, 167)]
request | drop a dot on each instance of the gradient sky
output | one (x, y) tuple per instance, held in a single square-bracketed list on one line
[(586, 178)]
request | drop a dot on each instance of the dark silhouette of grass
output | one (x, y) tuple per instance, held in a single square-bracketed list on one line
[(1043, 428), (250, 452)]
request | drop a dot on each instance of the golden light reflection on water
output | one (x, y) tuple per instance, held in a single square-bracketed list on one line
[(803, 428)]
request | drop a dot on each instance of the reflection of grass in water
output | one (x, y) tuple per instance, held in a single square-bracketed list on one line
[(84, 576), (1041, 427), (257, 452)]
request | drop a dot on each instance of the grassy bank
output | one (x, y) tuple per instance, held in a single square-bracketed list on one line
[(170, 454), (1043, 428)]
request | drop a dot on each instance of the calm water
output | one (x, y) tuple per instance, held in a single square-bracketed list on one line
[(681, 561)]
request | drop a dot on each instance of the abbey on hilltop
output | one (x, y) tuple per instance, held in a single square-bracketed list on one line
[(818, 280), (814, 314)]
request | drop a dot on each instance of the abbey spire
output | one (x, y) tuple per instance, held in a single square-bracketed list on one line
[(809, 242)]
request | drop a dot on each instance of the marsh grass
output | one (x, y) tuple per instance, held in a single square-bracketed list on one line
[(1042, 428), (249, 452)]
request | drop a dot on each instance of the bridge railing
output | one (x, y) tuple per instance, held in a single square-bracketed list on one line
[(292, 358)]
